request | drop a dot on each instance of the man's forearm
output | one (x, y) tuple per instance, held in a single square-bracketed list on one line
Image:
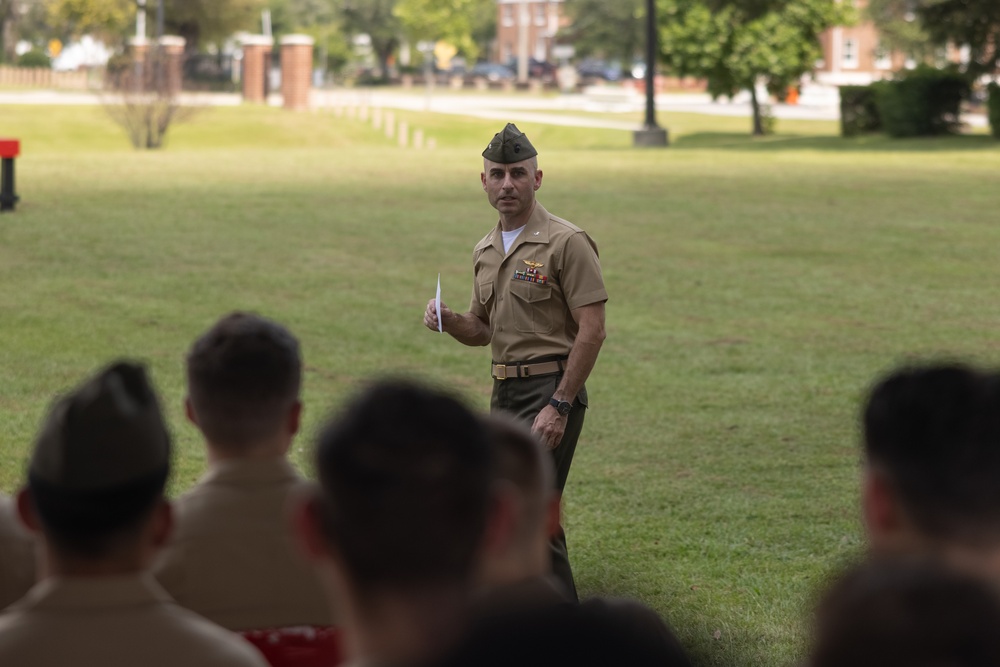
[(582, 358), (468, 329)]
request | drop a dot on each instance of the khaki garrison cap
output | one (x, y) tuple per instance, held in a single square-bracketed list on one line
[(509, 146), (106, 433)]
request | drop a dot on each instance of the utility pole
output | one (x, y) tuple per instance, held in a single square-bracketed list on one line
[(651, 134), (523, 21)]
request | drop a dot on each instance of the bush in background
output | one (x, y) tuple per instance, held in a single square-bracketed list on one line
[(34, 58), (993, 107), (858, 112), (921, 102)]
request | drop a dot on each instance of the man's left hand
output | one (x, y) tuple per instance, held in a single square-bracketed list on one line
[(549, 426)]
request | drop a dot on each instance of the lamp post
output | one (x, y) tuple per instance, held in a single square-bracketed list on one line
[(650, 134)]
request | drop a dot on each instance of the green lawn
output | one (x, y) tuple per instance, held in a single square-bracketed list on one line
[(757, 287)]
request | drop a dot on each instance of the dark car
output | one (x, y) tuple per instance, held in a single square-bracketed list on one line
[(592, 68), (491, 72)]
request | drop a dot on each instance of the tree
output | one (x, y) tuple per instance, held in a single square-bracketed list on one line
[(452, 21), (971, 23), (108, 19), (737, 44), (608, 29), (209, 21), (378, 20), (898, 27), (320, 20)]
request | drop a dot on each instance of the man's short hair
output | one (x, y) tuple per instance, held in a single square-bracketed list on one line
[(518, 458), (243, 375), (405, 485), (935, 432), (907, 614), (100, 462)]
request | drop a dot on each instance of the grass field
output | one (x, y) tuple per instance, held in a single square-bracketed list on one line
[(757, 287)]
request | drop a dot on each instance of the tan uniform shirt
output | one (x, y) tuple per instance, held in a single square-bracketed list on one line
[(114, 621), (17, 555), (526, 295), (232, 558)]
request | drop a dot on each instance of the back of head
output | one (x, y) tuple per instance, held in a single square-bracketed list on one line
[(596, 632), (934, 431), (518, 458), (243, 376), (907, 614), (100, 462), (405, 481)]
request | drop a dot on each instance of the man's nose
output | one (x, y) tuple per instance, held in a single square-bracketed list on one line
[(508, 182)]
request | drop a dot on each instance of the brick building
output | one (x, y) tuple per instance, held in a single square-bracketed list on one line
[(541, 20)]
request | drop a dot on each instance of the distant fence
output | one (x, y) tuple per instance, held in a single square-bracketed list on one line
[(39, 77)]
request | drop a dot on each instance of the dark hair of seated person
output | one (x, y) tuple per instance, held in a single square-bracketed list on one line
[(595, 632), (934, 431), (907, 614)]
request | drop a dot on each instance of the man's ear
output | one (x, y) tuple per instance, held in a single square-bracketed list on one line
[(26, 511), (501, 522), (163, 523), (883, 516), (189, 411), (553, 515), (294, 417)]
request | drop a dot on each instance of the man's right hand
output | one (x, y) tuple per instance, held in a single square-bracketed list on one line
[(430, 316)]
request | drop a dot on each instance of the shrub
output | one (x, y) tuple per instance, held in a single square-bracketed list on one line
[(921, 102), (993, 107), (34, 58), (858, 113)]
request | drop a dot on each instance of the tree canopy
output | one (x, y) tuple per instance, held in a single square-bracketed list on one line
[(608, 29), (457, 22), (204, 21), (737, 44), (971, 23), (99, 17)]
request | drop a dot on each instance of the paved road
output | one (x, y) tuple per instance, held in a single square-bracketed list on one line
[(569, 110)]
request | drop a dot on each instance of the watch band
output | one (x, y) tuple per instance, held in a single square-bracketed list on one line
[(562, 407)]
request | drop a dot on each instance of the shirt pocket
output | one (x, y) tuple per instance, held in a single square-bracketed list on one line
[(486, 296), (531, 305)]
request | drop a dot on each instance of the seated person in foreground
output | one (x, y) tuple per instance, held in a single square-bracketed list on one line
[(907, 613), (515, 567), (931, 438), (17, 554), (94, 499), (232, 557), (396, 526)]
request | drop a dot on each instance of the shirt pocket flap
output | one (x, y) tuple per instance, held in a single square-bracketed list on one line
[(485, 292), (530, 292)]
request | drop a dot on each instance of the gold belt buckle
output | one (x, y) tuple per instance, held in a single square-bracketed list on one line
[(498, 369)]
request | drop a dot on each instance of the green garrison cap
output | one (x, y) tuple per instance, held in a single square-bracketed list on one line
[(106, 433), (509, 146)]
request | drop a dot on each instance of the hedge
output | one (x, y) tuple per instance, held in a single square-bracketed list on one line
[(921, 102), (858, 113), (994, 109)]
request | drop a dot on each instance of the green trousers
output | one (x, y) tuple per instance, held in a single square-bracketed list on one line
[(524, 398)]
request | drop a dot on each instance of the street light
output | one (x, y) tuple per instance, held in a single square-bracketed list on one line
[(650, 134)]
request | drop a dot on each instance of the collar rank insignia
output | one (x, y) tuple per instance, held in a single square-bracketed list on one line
[(531, 275)]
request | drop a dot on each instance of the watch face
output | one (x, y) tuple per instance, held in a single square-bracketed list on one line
[(564, 407)]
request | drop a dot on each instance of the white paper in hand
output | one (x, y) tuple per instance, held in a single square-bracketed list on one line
[(437, 305)]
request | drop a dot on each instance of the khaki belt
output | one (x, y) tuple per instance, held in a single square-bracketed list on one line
[(523, 370)]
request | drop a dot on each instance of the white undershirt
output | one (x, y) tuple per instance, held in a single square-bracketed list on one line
[(510, 237)]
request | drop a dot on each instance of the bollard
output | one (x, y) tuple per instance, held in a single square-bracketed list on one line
[(404, 134), (390, 125), (363, 114), (431, 143), (418, 139), (377, 118)]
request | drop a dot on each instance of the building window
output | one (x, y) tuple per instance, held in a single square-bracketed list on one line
[(540, 13), (541, 49), (883, 57), (849, 56), (508, 15)]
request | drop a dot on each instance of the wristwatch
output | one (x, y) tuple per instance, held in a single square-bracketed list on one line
[(562, 407)]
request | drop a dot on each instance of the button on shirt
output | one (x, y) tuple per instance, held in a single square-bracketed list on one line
[(114, 621), (530, 319), (232, 558)]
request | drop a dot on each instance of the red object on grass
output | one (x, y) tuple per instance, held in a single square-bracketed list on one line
[(10, 148), (302, 646)]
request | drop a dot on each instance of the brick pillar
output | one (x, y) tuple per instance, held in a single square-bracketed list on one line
[(139, 48), (256, 63), (172, 49), (296, 70)]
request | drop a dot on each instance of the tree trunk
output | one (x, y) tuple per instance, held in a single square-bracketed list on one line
[(758, 125)]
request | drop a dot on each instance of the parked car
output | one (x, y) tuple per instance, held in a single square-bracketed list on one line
[(491, 72), (593, 68), (537, 69)]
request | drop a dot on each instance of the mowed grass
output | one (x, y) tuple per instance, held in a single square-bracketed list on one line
[(757, 288)]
